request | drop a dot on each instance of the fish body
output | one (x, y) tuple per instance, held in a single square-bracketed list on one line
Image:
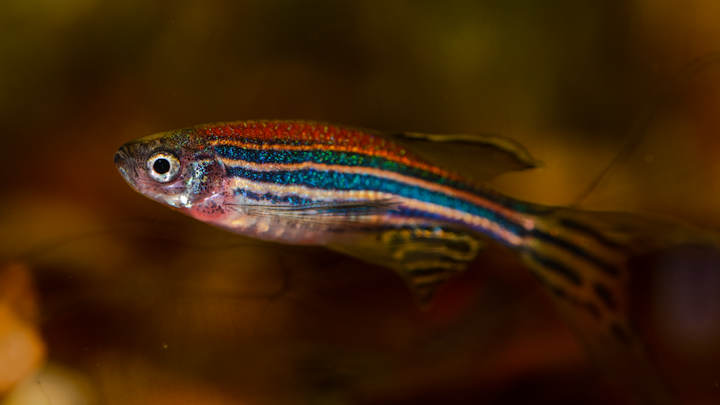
[(392, 199), (370, 195), (318, 169)]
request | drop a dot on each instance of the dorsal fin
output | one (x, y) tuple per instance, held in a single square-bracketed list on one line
[(475, 156), (425, 257)]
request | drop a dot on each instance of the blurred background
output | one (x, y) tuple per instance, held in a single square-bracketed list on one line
[(109, 298)]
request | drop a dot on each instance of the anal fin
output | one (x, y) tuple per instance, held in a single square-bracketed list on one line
[(425, 257)]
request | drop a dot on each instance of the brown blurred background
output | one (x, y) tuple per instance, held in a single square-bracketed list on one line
[(114, 299)]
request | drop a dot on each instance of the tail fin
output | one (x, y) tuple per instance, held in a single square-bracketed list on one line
[(585, 260)]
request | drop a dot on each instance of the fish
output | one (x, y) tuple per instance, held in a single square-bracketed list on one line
[(417, 203)]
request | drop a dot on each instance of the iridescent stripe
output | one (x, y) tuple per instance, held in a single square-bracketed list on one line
[(398, 158), (399, 178), (395, 215), (276, 146), (343, 181), (335, 158), (454, 215), (352, 178), (316, 135)]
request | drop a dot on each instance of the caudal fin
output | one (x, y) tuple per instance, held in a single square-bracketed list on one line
[(585, 260)]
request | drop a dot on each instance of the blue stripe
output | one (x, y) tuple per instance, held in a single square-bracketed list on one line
[(272, 198), (328, 157), (353, 159), (331, 180)]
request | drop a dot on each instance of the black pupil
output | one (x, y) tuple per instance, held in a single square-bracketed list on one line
[(161, 166)]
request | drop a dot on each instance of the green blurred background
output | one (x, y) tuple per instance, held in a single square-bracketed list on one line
[(134, 304)]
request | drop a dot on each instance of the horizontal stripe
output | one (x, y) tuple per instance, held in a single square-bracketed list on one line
[(451, 192), (576, 250), (442, 213), (300, 164), (556, 267), (599, 237), (447, 201), (420, 190), (332, 180), (273, 134), (278, 141), (402, 158), (400, 217), (300, 133), (272, 198), (334, 158)]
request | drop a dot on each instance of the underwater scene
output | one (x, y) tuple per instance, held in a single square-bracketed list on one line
[(334, 202)]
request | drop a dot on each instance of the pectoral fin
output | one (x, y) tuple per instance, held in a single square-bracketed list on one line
[(336, 212)]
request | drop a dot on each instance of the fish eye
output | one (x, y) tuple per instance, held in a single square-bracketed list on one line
[(163, 166)]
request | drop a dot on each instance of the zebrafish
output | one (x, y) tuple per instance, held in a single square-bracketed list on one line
[(416, 203)]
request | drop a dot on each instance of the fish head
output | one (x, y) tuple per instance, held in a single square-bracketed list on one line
[(176, 168)]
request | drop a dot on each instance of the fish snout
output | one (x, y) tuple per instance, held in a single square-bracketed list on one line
[(120, 156), (123, 161)]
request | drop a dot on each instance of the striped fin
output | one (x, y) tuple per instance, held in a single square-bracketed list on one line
[(584, 260), (476, 156), (425, 257)]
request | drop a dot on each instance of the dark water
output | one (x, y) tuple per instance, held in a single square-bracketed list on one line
[(109, 298)]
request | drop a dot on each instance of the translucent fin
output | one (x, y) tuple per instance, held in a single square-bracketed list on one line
[(424, 257), (321, 212), (323, 208), (637, 233), (659, 104), (585, 260), (613, 344), (477, 157)]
